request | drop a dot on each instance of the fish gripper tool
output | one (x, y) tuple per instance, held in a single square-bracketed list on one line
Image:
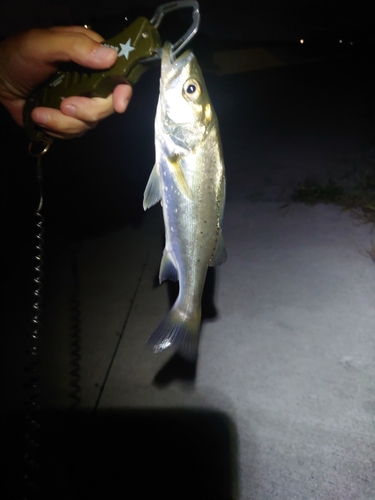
[(136, 45)]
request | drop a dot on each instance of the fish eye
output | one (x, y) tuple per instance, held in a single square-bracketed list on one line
[(192, 89)]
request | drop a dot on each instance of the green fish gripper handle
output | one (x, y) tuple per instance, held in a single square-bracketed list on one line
[(135, 45)]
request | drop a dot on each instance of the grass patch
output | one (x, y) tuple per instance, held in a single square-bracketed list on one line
[(360, 199)]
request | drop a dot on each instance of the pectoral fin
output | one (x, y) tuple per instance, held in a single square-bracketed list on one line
[(179, 176), (153, 191)]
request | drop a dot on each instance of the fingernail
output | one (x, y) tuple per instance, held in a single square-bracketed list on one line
[(70, 110), (104, 54)]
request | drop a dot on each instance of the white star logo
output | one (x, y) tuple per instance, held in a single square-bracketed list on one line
[(125, 49)]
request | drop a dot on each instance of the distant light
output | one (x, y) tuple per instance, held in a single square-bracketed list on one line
[(302, 40), (340, 41)]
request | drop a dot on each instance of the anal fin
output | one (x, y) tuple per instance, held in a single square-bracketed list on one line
[(168, 270), (220, 255)]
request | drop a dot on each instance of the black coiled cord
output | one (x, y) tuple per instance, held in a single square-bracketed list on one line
[(75, 327), (32, 364)]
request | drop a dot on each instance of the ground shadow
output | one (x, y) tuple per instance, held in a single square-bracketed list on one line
[(170, 454), (176, 368)]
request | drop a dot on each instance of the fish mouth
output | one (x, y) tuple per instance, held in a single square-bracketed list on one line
[(170, 68)]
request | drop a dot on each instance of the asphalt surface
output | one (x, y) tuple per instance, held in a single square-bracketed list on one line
[(281, 402)]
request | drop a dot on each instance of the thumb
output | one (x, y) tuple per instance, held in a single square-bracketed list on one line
[(65, 44), (28, 59)]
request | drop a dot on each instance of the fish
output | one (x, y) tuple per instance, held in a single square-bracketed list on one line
[(188, 179)]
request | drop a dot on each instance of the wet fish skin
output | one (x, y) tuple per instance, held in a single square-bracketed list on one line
[(189, 180)]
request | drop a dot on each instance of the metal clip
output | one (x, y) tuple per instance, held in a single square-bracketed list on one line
[(166, 8)]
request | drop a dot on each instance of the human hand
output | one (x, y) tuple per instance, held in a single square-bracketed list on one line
[(28, 59)]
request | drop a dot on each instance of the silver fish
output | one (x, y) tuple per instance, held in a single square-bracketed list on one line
[(189, 180)]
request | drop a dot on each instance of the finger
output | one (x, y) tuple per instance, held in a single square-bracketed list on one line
[(97, 108), (56, 124), (87, 109), (78, 29), (68, 45), (121, 97)]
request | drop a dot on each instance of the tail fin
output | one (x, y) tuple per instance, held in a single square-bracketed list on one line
[(180, 331)]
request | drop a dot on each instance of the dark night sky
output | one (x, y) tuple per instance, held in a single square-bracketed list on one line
[(260, 20)]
